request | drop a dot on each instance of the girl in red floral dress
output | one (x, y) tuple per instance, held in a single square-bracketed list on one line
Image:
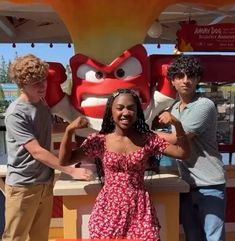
[(123, 208)]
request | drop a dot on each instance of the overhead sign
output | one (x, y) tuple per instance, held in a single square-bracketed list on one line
[(217, 37)]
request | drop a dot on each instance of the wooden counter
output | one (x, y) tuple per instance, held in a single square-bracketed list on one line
[(79, 198), (3, 170)]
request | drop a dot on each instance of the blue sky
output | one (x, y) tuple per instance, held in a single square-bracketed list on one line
[(61, 52)]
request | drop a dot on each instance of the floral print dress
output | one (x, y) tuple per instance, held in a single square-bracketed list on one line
[(123, 208)]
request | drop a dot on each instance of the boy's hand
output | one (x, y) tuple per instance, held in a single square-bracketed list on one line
[(167, 118), (82, 173)]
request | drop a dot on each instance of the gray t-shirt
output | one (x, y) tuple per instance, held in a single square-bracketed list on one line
[(204, 167), (25, 122)]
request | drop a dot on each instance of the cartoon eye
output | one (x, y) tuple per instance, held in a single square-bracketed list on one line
[(120, 73), (129, 69), (99, 75), (88, 73)]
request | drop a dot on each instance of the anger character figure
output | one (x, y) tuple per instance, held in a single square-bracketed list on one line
[(93, 82)]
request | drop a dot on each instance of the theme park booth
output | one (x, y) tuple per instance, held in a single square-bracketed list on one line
[(218, 85)]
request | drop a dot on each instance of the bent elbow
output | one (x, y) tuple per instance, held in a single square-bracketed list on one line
[(185, 155), (64, 162), (37, 153)]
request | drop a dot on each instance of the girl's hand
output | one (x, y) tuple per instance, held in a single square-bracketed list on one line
[(79, 123)]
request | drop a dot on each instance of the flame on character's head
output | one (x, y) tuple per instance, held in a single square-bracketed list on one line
[(104, 29)]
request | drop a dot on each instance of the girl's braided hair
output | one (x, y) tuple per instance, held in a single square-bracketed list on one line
[(108, 126)]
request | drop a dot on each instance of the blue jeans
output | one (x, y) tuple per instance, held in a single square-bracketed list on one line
[(202, 213)]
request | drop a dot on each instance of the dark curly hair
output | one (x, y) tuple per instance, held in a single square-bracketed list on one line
[(108, 126), (185, 65)]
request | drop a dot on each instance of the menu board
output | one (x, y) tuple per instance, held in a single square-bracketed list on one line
[(214, 37)]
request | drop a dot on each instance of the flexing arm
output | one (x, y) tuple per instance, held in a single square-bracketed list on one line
[(179, 143), (198, 123), (67, 156), (21, 129)]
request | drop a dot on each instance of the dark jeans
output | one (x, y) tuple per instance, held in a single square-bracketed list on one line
[(202, 213)]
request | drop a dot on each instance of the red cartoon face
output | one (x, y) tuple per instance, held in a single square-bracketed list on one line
[(94, 82)]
